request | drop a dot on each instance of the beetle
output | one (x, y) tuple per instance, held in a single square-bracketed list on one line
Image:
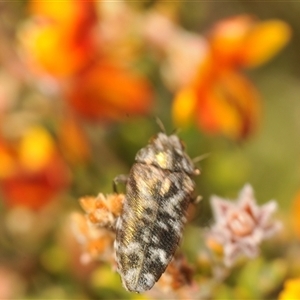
[(159, 189)]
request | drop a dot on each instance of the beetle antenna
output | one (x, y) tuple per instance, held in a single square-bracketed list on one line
[(160, 124), (176, 131), (200, 157)]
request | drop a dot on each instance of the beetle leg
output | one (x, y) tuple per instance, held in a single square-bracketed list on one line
[(122, 178)]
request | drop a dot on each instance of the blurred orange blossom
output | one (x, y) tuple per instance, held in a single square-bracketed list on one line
[(65, 43), (109, 91), (60, 38), (32, 171), (220, 97), (72, 140)]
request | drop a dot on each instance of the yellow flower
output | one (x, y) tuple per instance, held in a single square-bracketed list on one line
[(295, 214), (35, 149), (291, 290)]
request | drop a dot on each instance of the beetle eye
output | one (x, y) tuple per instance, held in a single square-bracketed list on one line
[(153, 138)]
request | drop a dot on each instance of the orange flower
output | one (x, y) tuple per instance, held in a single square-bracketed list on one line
[(108, 91), (73, 141), (243, 41), (291, 290), (60, 40), (31, 170), (220, 98)]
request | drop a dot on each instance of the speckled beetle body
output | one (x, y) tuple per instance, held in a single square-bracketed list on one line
[(159, 189)]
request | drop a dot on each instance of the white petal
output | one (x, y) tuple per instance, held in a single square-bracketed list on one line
[(272, 230), (220, 207), (266, 211), (250, 250)]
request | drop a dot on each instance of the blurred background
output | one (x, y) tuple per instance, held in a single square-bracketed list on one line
[(81, 86)]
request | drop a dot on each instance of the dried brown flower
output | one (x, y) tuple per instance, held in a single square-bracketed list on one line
[(103, 210), (95, 230), (177, 275)]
